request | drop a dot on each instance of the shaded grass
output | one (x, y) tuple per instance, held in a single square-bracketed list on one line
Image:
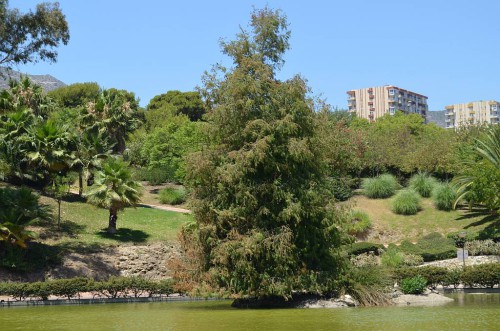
[(429, 219)]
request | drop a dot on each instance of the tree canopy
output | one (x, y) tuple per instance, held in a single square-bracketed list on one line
[(32, 36), (265, 222)]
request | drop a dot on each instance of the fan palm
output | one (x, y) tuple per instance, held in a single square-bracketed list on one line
[(114, 189), (18, 208)]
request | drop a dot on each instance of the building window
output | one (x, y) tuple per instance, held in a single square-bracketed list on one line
[(494, 107), (391, 92)]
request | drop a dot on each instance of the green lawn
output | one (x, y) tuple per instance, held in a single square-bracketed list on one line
[(389, 227), (81, 222)]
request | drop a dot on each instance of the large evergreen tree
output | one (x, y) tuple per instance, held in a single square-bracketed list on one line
[(265, 222)]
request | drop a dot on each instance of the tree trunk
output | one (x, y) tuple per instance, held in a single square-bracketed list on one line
[(80, 184), (112, 220), (59, 212)]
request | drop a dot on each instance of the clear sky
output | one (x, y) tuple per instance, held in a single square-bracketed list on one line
[(448, 50)]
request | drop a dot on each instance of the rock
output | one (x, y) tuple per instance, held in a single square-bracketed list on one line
[(430, 299)]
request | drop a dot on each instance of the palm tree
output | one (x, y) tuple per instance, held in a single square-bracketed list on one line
[(114, 189), (51, 149), (18, 208), (487, 150), (92, 148)]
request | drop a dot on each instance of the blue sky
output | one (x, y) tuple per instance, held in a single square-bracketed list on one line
[(447, 50)]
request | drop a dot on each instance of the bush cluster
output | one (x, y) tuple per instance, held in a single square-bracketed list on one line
[(114, 287), (432, 247), (172, 196), (483, 275), (406, 202), (381, 187)]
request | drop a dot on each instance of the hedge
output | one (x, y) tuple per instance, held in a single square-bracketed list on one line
[(483, 275), (114, 287), (363, 247)]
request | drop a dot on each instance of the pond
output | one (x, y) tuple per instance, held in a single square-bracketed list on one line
[(468, 312)]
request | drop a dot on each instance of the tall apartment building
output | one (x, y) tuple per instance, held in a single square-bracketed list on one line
[(472, 113), (374, 102)]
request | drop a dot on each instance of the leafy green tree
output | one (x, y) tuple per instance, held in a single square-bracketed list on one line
[(166, 146), (114, 189), (32, 36), (265, 224), (174, 103), (75, 95)]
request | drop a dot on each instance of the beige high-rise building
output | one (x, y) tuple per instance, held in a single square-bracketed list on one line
[(374, 102), (472, 113)]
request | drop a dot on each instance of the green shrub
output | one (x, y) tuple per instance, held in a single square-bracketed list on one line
[(406, 202), (453, 277), (114, 287), (172, 196), (380, 187), (364, 247), (359, 223), (484, 275), (482, 247), (364, 260), (432, 247), (423, 184), (444, 196), (154, 176), (394, 258), (342, 188), (69, 287), (434, 275), (413, 285)]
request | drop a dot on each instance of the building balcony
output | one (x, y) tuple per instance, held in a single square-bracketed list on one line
[(372, 96), (470, 105), (449, 107), (494, 115)]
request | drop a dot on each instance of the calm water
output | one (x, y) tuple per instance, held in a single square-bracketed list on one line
[(469, 312)]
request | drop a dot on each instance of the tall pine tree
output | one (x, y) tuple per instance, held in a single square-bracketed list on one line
[(265, 221)]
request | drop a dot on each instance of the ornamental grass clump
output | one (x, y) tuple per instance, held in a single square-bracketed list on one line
[(423, 184), (406, 202), (444, 196), (359, 223), (380, 187)]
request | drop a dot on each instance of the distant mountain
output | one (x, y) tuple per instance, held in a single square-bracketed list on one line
[(48, 82), (437, 117)]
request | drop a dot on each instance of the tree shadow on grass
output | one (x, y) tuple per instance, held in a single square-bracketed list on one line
[(125, 235), (487, 219)]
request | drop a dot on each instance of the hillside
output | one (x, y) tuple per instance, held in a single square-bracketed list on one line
[(48, 82)]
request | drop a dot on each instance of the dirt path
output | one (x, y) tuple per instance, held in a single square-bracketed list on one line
[(167, 208)]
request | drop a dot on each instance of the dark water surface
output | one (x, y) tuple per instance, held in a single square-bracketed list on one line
[(469, 312)]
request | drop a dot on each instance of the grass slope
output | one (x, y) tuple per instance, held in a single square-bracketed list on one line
[(389, 227)]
